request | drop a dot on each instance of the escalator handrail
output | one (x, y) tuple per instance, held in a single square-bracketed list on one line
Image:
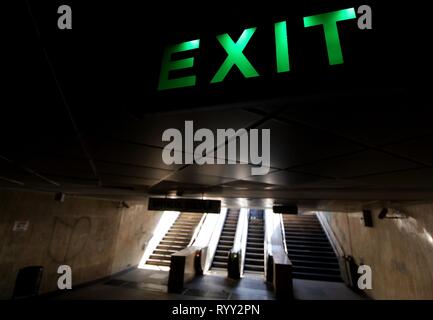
[(244, 241), (283, 235), (197, 230)]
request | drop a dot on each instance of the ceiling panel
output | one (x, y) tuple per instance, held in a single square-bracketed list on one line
[(185, 176), (62, 166), (293, 145), (149, 130), (228, 171), (358, 164), (411, 179), (389, 119), (115, 151), (118, 180), (249, 185), (286, 178), (419, 149), (169, 187), (132, 170)]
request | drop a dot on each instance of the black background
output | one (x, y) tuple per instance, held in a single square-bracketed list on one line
[(111, 58)]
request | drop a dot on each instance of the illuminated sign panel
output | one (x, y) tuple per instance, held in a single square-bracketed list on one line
[(236, 56)]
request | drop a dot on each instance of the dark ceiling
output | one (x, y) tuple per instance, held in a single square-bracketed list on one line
[(360, 143)]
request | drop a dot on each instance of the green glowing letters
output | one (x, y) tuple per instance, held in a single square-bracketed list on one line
[(169, 65), (329, 22), (236, 56)]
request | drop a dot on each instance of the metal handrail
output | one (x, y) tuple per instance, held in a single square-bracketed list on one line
[(283, 234), (268, 219), (338, 249), (244, 241), (215, 237)]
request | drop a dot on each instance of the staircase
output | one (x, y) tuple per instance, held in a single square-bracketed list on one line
[(309, 249), (176, 239), (254, 256), (225, 243)]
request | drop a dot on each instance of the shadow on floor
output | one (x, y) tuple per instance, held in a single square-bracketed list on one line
[(142, 284)]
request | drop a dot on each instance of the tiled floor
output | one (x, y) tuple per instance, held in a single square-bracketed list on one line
[(141, 284)]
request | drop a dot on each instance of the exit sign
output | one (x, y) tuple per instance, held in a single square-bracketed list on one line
[(236, 57)]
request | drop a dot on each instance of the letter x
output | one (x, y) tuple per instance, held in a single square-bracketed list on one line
[(235, 56)]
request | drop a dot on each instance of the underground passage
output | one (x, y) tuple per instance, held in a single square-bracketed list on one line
[(241, 154)]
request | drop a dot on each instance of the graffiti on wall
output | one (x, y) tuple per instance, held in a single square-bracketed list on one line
[(69, 238)]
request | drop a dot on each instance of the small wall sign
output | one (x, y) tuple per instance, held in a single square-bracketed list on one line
[(21, 225)]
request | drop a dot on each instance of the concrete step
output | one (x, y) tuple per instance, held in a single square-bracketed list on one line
[(163, 246), (319, 263), (158, 262), (313, 258), (306, 237), (186, 225), (310, 253), (302, 226), (304, 232), (155, 256), (315, 276), (314, 246), (181, 243), (164, 252), (183, 231), (177, 237), (317, 270), (179, 232), (314, 242)]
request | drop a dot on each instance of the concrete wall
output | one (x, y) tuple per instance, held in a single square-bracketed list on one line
[(399, 251), (135, 230), (94, 237)]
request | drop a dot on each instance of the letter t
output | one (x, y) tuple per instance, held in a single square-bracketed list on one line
[(329, 22)]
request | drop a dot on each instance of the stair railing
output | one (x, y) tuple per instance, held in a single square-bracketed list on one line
[(338, 249)]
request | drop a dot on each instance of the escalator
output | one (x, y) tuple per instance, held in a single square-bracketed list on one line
[(254, 256), (176, 239), (309, 249), (226, 239)]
